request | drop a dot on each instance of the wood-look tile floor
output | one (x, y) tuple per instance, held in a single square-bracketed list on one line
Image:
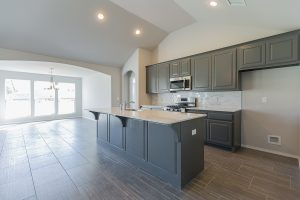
[(62, 160)]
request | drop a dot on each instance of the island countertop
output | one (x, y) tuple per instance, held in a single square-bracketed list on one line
[(157, 116)]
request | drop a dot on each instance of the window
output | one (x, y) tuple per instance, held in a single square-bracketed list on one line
[(17, 98), (66, 98), (44, 99)]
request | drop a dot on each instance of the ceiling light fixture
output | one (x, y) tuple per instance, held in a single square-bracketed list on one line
[(213, 3), (138, 32), (52, 85), (100, 16)]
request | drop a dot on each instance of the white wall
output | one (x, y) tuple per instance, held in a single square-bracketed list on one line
[(132, 64), (96, 93), (145, 59), (197, 38), (136, 63), (115, 73), (279, 116), (38, 77)]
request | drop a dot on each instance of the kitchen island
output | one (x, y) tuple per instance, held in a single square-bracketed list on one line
[(169, 145)]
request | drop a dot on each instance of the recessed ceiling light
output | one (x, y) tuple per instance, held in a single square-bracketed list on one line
[(213, 3), (100, 16), (138, 32)]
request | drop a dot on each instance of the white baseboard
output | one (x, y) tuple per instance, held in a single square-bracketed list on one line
[(272, 151)]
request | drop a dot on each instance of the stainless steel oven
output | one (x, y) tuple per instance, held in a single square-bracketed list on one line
[(180, 83)]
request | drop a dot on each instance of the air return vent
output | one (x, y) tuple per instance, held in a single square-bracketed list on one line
[(274, 139), (237, 2)]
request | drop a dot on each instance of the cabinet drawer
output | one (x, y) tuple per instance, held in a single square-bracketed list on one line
[(197, 112), (220, 116)]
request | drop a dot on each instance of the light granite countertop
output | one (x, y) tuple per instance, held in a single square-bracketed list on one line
[(216, 108), (157, 116)]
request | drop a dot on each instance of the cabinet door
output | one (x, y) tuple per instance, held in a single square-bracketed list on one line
[(282, 49), (201, 72), (116, 132), (151, 76), (185, 67), (252, 55), (102, 127), (174, 69), (224, 70), (163, 77), (135, 138), (219, 132)]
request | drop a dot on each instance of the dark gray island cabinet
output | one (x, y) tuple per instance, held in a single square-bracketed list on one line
[(165, 144)]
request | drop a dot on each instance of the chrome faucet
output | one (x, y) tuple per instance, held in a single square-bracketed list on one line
[(125, 104)]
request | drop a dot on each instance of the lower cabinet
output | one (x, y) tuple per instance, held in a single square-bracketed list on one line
[(223, 129), (219, 132), (102, 127), (135, 138), (116, 135)]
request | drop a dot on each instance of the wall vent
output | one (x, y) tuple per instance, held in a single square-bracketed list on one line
[(237, 2), (274, 139)]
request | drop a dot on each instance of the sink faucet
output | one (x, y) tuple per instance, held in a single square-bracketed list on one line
[(125, 104)]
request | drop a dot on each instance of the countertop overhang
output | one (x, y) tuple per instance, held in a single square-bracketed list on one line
[(157, 116)]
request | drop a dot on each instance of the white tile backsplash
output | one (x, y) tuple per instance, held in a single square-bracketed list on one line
[(225, 99)]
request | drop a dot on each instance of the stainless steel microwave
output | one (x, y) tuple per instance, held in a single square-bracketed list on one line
[(181, 83)]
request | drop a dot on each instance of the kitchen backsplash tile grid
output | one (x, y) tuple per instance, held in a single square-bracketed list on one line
[(225, 99)]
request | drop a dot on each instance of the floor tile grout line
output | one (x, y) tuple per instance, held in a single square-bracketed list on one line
[(34, 186), (61, 164)]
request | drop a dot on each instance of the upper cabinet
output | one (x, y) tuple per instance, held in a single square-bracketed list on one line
[(151, 82), (201, 72), (174, 69), (224, 70), (180, 68), (219, 70), (282, 49), (163, 77), (185, 67), (252, 55)]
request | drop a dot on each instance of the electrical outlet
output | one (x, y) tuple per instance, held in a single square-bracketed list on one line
[(264, 99), (194, 131)]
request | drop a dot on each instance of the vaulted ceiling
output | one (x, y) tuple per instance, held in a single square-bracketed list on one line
[(70, 29)]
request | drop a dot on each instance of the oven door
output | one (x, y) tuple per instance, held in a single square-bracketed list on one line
[(177, 84)]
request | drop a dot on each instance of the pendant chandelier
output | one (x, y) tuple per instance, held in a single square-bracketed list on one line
[(52, 85)]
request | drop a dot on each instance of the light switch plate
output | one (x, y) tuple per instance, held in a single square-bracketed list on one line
[(194, 131), (264, 99)]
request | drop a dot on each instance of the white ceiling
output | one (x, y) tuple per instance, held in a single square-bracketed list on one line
[(69, 28), (273, 14), (165, 14)]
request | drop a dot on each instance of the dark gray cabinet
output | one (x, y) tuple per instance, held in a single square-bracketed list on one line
[(201, 72), (180, 68), (151, 79), (174, 69), (222, 129), (102, 127), (135, 138), (167, 158), (116, 136), (219, 132), (224, 70), (185, 67), (282, 49), (252, 55), (163, 77)]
